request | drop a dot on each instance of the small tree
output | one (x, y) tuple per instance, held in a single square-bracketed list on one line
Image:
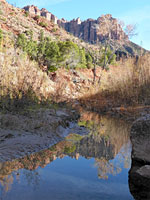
[(106, 58), (22, 42), (83, 62), (89, 60), (52, 54), (105, 30)]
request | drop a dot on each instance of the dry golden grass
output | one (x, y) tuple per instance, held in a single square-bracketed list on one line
[(126, 84), (21, 80)]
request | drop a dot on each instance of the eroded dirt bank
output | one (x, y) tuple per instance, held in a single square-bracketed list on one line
[(22, 134)]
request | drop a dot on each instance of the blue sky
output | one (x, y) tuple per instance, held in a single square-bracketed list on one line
[(130, 11)]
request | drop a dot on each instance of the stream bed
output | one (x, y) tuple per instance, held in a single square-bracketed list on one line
[(89, 166)]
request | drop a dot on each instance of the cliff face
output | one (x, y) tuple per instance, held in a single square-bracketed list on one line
[(91, 30), (33, 10), (94, 31)]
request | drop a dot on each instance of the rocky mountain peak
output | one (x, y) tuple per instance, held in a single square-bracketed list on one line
[(89, 30)]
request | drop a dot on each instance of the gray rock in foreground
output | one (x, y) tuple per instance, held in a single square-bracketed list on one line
[(139, 174), (140, 138)]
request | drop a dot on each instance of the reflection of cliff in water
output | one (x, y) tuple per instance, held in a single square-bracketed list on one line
[(111, 133), (90, 147), (105, 140)]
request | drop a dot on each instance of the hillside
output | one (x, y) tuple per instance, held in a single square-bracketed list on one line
[(41, 59), (15, 21), (93, 31)]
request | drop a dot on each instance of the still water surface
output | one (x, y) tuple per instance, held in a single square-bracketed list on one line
[(89, 167)]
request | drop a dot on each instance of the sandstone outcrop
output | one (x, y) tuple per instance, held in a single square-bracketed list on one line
[(33, 10), (92, 31)]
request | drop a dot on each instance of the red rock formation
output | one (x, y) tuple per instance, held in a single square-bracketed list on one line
[(94, 31), (91, 30), (46, 14), (30, 9)]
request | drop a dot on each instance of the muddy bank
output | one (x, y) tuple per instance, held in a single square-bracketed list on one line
[(22, 134)]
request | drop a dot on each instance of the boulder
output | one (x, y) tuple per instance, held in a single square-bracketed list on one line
[(140, 138), (139, 181), (139, 174)]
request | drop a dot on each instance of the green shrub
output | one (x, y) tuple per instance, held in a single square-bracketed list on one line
[(43, 24), (69, 150), (26, 14), (1, 36), (28, 45), (37, 17), (22, 41), (54, 30), (109, 57), (54, 54)]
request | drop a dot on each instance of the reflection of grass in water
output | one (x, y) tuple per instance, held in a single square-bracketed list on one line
[(91, 125), (32, 177), (53, 148), (105, 168), (111, 129), (70, 149), (114, 132), (82, 123), (88, 124), (73, 137), (113, 167), (106, 137)]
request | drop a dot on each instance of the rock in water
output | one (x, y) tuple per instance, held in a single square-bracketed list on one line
[(139, 174), (140, 138)]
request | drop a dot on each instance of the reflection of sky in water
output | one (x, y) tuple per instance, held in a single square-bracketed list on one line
[(70, 179)]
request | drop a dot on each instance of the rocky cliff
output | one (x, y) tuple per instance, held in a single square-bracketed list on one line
[(94, 31), (91, 30), (34, 10)]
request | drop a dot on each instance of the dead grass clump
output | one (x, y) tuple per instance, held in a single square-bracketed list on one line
[(21, 81), (129, 82)]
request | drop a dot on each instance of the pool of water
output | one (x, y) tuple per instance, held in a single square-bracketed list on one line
[(89, 167)]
